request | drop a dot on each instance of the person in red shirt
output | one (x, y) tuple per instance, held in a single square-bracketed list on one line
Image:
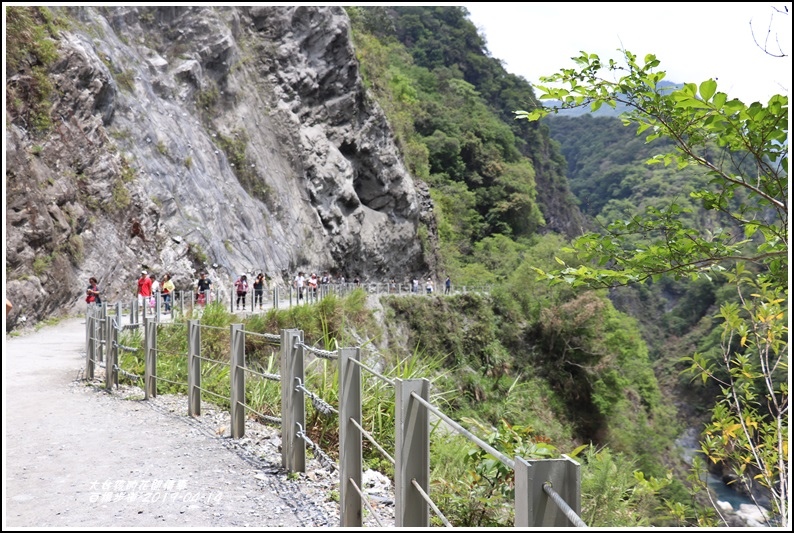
[(144, 290)]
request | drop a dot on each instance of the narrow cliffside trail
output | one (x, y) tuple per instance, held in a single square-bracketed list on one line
[(77, 456)]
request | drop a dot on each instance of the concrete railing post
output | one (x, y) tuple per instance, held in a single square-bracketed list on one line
[(150, 360), (100, 332), (350, 466), (293, 447), (193, 368), (89, 344), (412, 447), (534, 508), (237, 376), (113, 345)]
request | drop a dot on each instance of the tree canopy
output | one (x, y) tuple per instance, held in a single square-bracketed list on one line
[(744, 150)]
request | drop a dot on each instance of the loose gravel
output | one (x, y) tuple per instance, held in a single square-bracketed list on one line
[(78, 456)]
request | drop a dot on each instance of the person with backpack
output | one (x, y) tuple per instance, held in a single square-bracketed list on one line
[(259, 289), (203, 286), (241, 286)]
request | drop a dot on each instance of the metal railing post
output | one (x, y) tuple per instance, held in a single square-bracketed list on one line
[(100, 332), (193, 368), (237, 376), (412, 447), (534, 508), (150, 364), (113, 347), (350, 462), (89, 344), (293, 448)]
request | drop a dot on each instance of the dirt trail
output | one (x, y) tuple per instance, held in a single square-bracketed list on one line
[(75, 456)]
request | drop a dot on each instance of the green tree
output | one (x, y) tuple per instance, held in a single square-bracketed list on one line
[(744, 149)]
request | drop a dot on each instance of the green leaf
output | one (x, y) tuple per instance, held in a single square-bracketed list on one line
[(707, 89)]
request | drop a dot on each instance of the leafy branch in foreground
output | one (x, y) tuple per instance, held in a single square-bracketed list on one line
[(744, 150)]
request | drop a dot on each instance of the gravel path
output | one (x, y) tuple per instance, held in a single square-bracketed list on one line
[(77, 456)]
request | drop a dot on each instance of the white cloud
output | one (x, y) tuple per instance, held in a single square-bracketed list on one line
[(694, 41)]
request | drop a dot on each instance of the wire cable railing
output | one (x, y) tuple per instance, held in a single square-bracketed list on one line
[(430, 503), (534, 480)]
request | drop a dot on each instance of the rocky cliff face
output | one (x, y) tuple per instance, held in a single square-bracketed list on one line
[(179, 139)]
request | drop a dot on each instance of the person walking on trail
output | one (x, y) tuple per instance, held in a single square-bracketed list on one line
[(203, 289), (144, 290), (259, 290), (241, 286), (314, 281), (168, 289), (447, 285), (429, 286), (415, 285), (155, 290), (298, 283), (92, 292)]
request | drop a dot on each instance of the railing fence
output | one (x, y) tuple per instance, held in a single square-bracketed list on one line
[(546, 491)]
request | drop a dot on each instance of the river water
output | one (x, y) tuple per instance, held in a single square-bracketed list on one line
[(740, 505)]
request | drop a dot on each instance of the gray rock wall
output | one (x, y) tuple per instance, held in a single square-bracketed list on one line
[(187, 138)]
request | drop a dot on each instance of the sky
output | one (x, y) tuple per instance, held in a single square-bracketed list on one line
[(693, 41)]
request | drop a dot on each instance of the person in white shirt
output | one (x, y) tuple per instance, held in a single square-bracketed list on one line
[(299, 283), (313, 282), (155, 290)]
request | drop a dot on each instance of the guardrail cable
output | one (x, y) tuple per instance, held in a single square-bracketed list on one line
[(213, 393), (213, 327), (158, 378), (372, 440), (125, 348), (466, 433), (366, 502), (274, 377), (430, 503), (167, 352), (325, 354), (267, 418), (126, 374), (211, 360), (564, 507), (362, 365), (321, 456), (268, 336), (317, 402)]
